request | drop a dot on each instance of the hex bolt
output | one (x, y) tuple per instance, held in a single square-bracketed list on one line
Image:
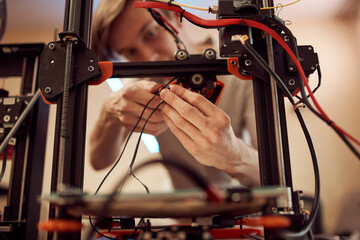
[(12, 141), (197, 78), (247, 62), (209, 54), (52, 46), (48, 90), (6, 118), (181, 54), (91, 68), (292, 82)]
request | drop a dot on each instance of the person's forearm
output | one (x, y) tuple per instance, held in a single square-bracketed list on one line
[(105, 141), (245, 167)]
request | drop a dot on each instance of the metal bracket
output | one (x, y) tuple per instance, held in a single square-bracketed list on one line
[(52, 66)]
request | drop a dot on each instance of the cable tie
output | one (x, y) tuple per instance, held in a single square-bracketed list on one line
[(242, 22), (181, 15), (298, 105), (330, 122), (169, 2)]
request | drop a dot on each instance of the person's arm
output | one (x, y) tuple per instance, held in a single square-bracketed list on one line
[(105, 140), (118, 117), (206, 133)]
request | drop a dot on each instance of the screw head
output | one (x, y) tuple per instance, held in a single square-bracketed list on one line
[(181, 54), (48, 90), (52, 46), (210, 54), (6, 118), (197, 78), (292, 82), (247, 62), (91, 68)]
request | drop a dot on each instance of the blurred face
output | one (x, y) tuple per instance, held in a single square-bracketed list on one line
[(137, 37)]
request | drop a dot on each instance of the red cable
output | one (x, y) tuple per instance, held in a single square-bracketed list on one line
[(250, 23), (166, 22)]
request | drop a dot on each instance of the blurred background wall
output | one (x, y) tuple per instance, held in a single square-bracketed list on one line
[(331, 27)]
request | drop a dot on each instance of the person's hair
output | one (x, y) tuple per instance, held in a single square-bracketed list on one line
[(105, 14)]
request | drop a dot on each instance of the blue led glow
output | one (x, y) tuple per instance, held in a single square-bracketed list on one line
[(115, 84), (150, 142)]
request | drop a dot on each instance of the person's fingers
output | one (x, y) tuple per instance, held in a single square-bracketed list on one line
[(183, 108), (177, 120), (195, 99), (141, 96), (192, 140), (134, 109), (154, 128)]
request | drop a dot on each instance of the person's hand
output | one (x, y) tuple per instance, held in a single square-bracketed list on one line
[(203, 128), (127, 104)]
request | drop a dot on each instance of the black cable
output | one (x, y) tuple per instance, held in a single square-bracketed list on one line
[(305, 100), (129, 237), (127, 140), (317, 86), (133, 234), (316, 203), (137, 148), (199, 179), (98, 232), (157, 17), (123, 150), (308, 104), (195, 176), (3, 18), (267, 68)]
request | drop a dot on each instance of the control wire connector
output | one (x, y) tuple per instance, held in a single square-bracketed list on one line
[(214, 9), (241, 38)]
